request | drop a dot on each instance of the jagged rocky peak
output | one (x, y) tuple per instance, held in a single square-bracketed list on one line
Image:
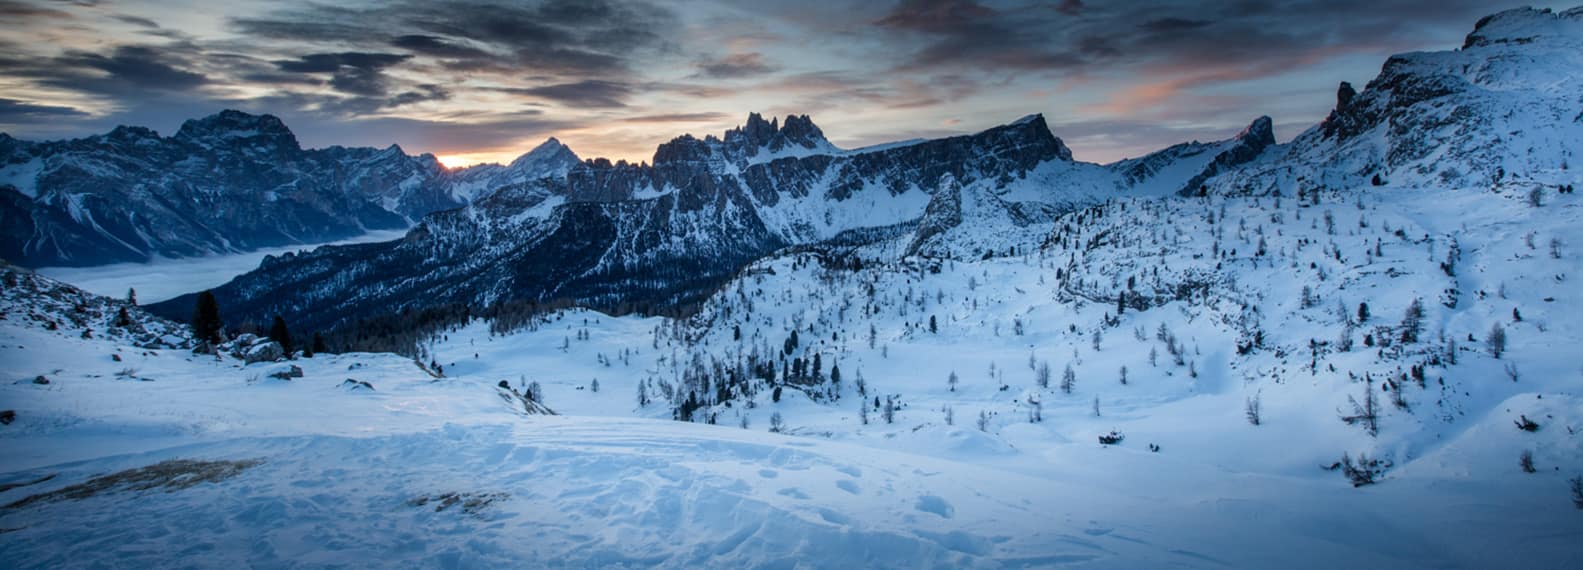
[(1344, 95), (231, 127), (682, 149), (756, 138), (1030, 132), (797, 135), (799, 131), (1522, 26), (1260, 133), (128, 133)]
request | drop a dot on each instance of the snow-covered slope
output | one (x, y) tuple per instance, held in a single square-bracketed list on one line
[(1500, 114), (133, 456)]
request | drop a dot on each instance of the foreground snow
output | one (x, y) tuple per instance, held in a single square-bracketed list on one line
[(362, 477)]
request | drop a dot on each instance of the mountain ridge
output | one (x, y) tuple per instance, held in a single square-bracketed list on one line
[(227, 182)]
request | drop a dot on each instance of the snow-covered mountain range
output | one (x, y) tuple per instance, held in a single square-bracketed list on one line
[(228, 182), (660, 237)]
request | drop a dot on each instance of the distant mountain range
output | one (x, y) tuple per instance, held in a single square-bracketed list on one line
[(227, 182), (661, 236)]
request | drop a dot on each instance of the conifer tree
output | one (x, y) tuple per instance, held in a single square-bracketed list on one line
[(279, 333), (206, 323), (1412, 321)]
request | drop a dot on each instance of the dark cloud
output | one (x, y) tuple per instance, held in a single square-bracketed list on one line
[(937, 16), (12, 10), (333, 62), (143, 66), (137, 21), (14, 111), (1166, 25), (439, 47), (303, 27), (735, 66), (125, 72), (422, 93), (352, 73), (591, 93), (968, 35), (575, 38)]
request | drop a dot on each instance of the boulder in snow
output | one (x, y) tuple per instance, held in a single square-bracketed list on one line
[(267, 351), (287, 373)]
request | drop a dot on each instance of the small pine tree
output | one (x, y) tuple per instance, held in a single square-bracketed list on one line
[(952, 380), (983, 422), (933, 328), (122, 318), (1497, 340), (1363, 312), (1253, 410), (279, 333), (206, 322), (131, 296), (1412, 321), (318, 344), (594, 386), (776, 423), (1068, 379), (1043, 375)]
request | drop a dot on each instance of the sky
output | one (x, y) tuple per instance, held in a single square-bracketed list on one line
[(481, 81)]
